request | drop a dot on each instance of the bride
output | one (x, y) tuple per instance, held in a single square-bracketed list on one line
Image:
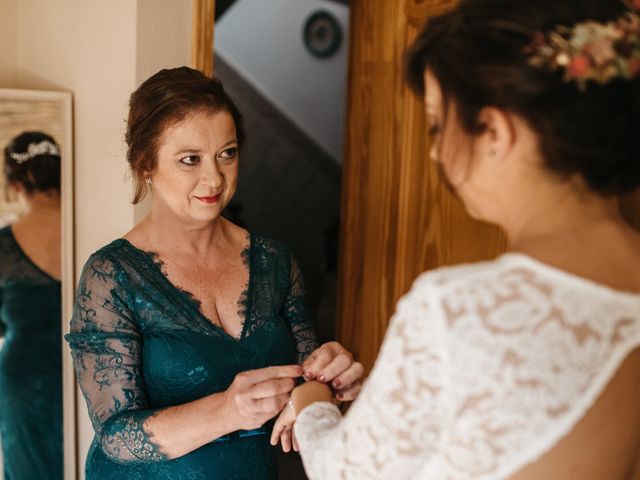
[(528, 366)]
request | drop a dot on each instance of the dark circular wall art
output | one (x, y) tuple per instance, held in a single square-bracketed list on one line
[(322, 34)]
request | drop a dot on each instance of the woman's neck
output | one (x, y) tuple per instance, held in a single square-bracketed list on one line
[(43, 207), (160, 232), (547, 209)]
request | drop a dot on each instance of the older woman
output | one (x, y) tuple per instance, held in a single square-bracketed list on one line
[(188, 332), (527, 366), (30, 314)]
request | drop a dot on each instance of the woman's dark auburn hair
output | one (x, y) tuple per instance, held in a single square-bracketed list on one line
[(38, 174), (164, 99), (476, 52)]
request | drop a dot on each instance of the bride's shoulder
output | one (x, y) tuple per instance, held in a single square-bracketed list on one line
[(457, 276)]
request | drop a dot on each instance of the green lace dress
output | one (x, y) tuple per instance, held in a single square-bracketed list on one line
[(140, 344), (30, 366)]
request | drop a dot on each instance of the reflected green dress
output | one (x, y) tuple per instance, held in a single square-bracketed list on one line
[(140, 344), (30, 366)]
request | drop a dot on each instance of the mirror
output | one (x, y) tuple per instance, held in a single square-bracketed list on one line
[(36, 287)]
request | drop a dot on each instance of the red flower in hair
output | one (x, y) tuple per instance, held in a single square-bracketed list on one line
[(634, 65), (579, 66)]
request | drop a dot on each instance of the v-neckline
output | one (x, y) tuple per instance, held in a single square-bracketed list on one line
[(192, 302)]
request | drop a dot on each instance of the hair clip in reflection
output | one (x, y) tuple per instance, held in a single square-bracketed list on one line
[(45, 147)]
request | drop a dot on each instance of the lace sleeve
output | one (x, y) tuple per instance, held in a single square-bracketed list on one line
[(397, 422), (106, 348), (296, 312)]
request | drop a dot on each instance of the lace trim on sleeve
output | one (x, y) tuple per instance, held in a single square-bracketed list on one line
[(106, 348), (127, 432)]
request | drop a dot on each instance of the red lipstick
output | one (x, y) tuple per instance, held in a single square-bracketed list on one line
[(209, 200)]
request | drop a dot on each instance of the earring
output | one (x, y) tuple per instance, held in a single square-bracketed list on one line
[(148, 181)]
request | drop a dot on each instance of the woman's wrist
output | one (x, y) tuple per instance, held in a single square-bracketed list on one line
[(309, 392)]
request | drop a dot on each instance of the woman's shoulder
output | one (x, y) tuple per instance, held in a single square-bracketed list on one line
[(110, 257), (269, 245), (111, 250)]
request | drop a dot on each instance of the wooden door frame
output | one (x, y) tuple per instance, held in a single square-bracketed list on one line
[(202, 38)]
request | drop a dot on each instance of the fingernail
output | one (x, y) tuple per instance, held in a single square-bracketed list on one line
[(321, 378), (339, 396), (299, 370), (336, 384), (308, 375)]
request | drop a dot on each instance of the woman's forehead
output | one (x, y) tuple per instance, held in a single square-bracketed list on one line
[(200, 126)]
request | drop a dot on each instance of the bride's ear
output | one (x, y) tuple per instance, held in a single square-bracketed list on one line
[(499, 136)]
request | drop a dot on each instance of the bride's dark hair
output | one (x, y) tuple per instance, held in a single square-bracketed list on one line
[(40, 173), (477, 53)]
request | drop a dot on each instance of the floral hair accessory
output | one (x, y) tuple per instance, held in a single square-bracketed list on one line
[(591, 51), (45, 147)]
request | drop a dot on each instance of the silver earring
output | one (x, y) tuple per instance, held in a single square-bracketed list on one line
[(148, 181)]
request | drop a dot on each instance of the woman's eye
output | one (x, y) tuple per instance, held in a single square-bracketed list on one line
[(434, 130), (229, 153), (190, 160)]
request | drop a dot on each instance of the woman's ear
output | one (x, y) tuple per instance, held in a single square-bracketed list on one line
[(499, 133)]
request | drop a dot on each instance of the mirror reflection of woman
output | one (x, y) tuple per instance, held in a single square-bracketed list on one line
[(30, 314), (189, 332)]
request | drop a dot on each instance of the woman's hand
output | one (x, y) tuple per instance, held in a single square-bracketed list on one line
[(332, 363), (256, 396)]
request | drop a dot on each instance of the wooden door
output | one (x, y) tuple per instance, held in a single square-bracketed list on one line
[(398, 219)]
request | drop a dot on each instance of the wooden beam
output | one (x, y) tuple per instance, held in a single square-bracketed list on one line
[(202, 35)]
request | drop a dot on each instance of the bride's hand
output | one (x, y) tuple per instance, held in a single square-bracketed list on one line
[(301, 397), (283, 429)]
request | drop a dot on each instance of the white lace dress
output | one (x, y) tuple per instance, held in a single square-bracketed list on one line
[(484, 368)]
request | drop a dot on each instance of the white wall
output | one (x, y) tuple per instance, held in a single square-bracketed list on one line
[(9, 12), (100, 51), (262, 40)]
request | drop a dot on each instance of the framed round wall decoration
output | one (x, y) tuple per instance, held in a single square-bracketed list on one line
[(322, 34)]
